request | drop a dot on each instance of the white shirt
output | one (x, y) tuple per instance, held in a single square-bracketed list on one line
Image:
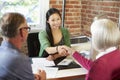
[(106, 52)]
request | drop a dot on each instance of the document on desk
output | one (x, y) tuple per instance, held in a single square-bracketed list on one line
[(42, 63)]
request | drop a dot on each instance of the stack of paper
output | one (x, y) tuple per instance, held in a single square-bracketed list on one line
[(42, 63)]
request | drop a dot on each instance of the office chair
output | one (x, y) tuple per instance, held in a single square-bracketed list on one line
[(33, 45)]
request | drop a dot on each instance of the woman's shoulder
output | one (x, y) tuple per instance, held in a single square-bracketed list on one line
[(42, 32), (64, 29)]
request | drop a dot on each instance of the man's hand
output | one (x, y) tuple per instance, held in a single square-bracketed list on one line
[(41, 75)]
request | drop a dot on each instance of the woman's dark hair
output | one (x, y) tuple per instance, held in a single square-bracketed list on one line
[(50, 12)]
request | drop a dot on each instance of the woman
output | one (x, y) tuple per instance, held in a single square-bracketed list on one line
[(105, 40), (54, 37)]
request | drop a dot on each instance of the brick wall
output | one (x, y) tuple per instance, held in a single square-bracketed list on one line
[(80, 13), (92, 8)]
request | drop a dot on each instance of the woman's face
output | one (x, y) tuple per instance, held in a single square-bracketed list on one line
[(54, 21)]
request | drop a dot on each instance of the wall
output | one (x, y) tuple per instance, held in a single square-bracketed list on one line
[(80, 13), (92, 8)]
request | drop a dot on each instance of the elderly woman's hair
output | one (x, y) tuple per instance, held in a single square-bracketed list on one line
[(105, 34), (9, 24)]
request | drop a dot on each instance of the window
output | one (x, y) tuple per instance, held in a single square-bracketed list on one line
[(33, 10)]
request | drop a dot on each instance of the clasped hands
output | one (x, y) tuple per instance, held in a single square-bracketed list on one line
[(65, 50), (62, 51)]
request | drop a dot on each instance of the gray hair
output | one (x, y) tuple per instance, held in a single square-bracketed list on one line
[(105, 34), (9, 24)]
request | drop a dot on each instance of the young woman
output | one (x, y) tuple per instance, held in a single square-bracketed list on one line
[(54, 37)]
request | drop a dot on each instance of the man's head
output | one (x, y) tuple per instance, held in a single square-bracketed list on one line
[(9, 24), (13, 24)]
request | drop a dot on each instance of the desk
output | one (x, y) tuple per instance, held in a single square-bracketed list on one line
[(73, 73), (70, 74)]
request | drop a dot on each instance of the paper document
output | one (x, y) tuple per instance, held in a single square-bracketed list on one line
[(50, 71), (42, 63)]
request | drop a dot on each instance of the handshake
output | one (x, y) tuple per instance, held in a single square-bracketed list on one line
[(65, 50), (62, 50)]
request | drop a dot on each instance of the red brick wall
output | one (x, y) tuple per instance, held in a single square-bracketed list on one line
[(80, 13), (92, 8)]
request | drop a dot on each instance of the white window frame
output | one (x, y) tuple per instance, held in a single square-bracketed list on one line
[(44, 6)]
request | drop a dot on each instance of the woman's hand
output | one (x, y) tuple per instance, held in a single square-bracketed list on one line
[(68, 49), (62, 51)]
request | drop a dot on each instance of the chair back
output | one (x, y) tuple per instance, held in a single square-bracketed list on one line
[(33, 45)]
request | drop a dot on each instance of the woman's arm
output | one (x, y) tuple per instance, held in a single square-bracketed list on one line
[(53, 57), (45, 45), (79, 58), (60, 52), (51, 50), (82, 60)]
